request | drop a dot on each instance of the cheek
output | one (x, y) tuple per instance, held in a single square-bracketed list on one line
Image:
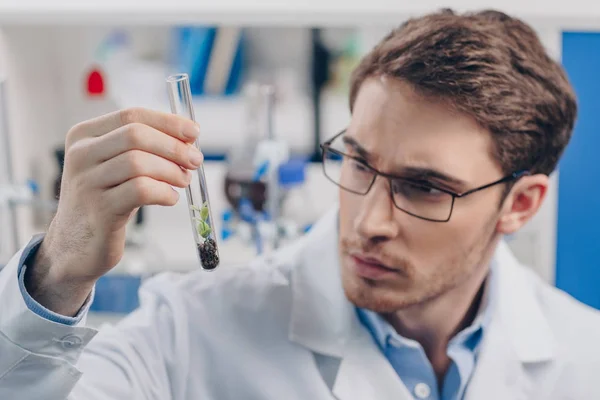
[(349, 209), (473, 215), (469, 228), (434, 244)]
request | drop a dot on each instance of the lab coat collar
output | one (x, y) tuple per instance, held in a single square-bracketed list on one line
[(322, 316), (518, 337), (519, 311), (324, 321)]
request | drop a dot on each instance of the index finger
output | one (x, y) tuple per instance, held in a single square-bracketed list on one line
[(177, 126)]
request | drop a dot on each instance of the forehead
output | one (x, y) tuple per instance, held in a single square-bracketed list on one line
[(400, 128)]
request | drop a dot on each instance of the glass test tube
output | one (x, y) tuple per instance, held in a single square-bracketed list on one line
[(180, 97)]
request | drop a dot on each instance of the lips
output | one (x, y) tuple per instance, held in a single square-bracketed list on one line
[(370, 267)]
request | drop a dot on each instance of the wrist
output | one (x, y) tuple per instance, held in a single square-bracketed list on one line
[(48, 282)]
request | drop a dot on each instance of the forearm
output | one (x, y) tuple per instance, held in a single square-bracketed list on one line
[(46, 285)]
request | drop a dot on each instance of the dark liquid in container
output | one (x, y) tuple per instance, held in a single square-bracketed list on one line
[(237, 188)]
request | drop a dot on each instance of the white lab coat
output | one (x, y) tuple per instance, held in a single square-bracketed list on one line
[(282, 328)]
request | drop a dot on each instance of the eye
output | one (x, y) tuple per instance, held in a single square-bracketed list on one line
[(417, 192), (425, 189), (358, 166)]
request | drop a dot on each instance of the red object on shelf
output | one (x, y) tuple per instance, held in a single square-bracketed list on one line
[(95, 82)]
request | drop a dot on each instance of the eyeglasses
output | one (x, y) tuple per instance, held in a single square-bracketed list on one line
[(421, 200)]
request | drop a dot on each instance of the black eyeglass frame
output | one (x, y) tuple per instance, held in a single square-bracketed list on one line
[(326, 146)]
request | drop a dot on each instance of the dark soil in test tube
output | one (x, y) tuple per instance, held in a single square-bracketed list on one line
[(208, 254)]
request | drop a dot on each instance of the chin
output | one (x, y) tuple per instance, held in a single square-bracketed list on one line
[(380, 297)]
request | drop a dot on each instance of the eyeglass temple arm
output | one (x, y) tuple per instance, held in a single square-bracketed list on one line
[(513, 176)]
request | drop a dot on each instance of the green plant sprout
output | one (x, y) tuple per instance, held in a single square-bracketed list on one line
[(202, 226)]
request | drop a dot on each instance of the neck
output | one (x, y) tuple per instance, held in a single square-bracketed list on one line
[(435, 322)]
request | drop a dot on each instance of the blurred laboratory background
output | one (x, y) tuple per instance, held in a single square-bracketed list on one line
[(261, 73)]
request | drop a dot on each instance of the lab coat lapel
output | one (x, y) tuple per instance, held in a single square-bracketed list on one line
[(499, 374), (324, 321), (321, 314), (365, 373), (518, 343)]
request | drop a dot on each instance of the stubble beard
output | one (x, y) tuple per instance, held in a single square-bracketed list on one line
[(388, 297)]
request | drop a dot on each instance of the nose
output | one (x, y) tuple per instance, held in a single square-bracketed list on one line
[(375, 221)]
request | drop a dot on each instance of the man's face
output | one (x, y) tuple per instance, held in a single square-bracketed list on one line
[(400, 132)]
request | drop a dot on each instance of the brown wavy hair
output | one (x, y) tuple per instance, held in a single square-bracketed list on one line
[(490, 66)]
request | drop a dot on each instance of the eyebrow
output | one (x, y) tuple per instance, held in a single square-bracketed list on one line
[(428, 173), (362, 152), (414, 173)]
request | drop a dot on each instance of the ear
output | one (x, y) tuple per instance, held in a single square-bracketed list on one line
[(522, 203)]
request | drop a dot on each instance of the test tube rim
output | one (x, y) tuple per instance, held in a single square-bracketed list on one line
[(177, 77)]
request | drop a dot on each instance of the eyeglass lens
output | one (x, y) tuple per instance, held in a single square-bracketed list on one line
[(416, 199)]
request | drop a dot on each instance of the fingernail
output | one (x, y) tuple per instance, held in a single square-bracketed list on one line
[(177, 193), (195, 156), (192, 131)]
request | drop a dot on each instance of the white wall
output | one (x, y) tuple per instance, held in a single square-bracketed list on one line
[(6, 242), (33, 110)]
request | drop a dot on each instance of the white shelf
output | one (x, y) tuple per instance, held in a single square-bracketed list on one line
[(222, 119), (575, 13)]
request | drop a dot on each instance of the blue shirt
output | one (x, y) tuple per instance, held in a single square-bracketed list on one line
[(408, 358)]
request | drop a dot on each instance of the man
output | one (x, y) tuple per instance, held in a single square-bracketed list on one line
[(405, 290)]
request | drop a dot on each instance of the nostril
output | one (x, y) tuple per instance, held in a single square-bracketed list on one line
[(374, 240)]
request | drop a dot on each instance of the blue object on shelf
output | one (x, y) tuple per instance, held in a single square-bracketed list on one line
[(117, 293), (200, 47), (260, 171), (192, 55), (292, 173), (214, 157), (266, 216), (237, 68), (226, 218), (33, 185), (227, 215), (249, 215), (246, 211), (226, 234)]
